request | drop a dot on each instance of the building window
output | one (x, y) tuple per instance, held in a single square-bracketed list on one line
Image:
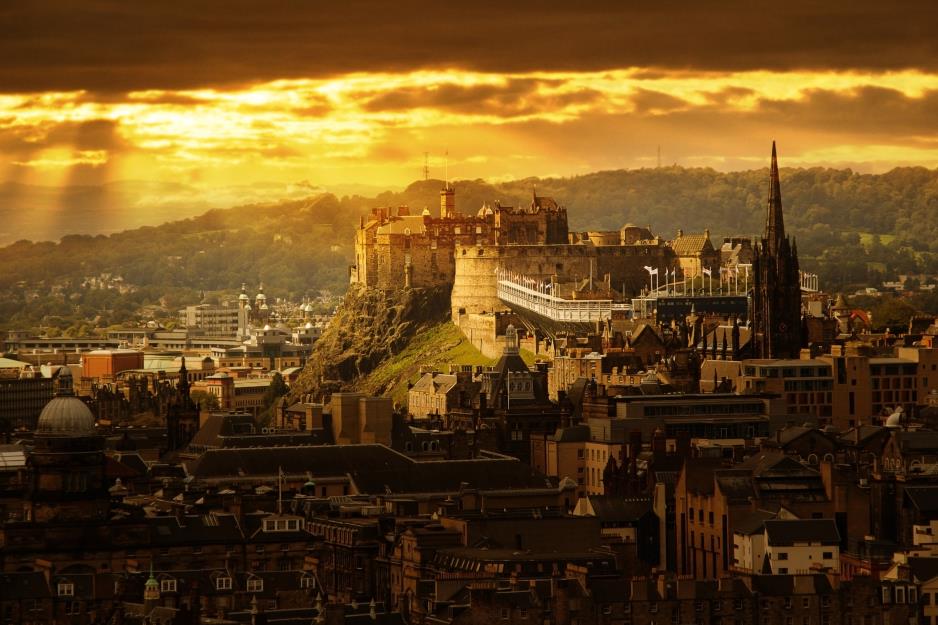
[(828, 555), (306, 582), (66, 589), (504, 614), (782, 555), (255, 584), (783, 571), (167, 585), (223, 583)]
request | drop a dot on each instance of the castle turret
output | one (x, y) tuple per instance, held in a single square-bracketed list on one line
[(151, 593), (447, 201)]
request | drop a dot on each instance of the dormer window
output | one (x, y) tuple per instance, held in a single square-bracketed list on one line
[(281, 525), (222, 583), (66, 589), (255, 584), (167, 585)]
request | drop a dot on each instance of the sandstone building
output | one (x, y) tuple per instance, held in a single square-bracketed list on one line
[(395, 249)]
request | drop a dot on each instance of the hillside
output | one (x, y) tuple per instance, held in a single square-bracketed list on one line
[(853, 229), (369, 328), (378, 344)]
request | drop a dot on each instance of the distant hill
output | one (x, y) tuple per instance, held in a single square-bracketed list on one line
[(853, 229)]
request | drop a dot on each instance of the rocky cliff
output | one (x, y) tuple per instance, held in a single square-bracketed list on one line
[(370, 327)]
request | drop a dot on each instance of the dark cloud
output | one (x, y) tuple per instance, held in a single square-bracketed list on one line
[(515, 97), (96, 134), (648, 101), (728, 94), (870, 111), (114, 45)]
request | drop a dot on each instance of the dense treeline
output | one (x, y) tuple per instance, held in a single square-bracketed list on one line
[(855, 230)]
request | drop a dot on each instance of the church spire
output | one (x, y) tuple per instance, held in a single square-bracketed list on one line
[(774, 222), (183, 385)]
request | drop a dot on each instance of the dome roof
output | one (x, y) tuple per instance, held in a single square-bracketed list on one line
[(66, 415)]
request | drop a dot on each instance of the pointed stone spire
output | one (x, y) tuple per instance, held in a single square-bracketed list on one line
[(774, 222), (151, 592), (183, 384)]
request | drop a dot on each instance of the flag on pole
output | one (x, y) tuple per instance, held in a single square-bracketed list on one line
[(707, 272)]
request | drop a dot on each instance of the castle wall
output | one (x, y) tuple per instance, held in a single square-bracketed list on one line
[(483, 330), (395, 248)]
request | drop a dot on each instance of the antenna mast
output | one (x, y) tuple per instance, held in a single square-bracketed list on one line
[(426, 166), (659, 156)]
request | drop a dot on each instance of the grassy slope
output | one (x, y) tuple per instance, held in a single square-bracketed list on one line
[(437, 346)]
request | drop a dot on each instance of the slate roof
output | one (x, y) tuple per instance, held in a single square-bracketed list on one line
[(435, 383), (736, 485), (790, 434), (374, 469), (193, 528), (787, 585), (573, 434), (786, 532), (924, 569), (924, 498), (620, 509), (753, 522), (692, 244), (857, 436), (917, 441)]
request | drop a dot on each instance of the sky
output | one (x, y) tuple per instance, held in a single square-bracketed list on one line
[(204, 103)]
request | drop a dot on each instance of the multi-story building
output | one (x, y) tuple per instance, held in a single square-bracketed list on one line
[(806, 385), (214, 320), (22, 400), (105, 364)]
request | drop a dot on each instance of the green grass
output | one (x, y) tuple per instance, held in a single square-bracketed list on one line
[(437, 347)]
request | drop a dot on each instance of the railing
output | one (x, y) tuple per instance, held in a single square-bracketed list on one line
[(536, 296)]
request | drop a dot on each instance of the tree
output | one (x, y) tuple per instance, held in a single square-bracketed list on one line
[(277, 389), (205, 401)]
